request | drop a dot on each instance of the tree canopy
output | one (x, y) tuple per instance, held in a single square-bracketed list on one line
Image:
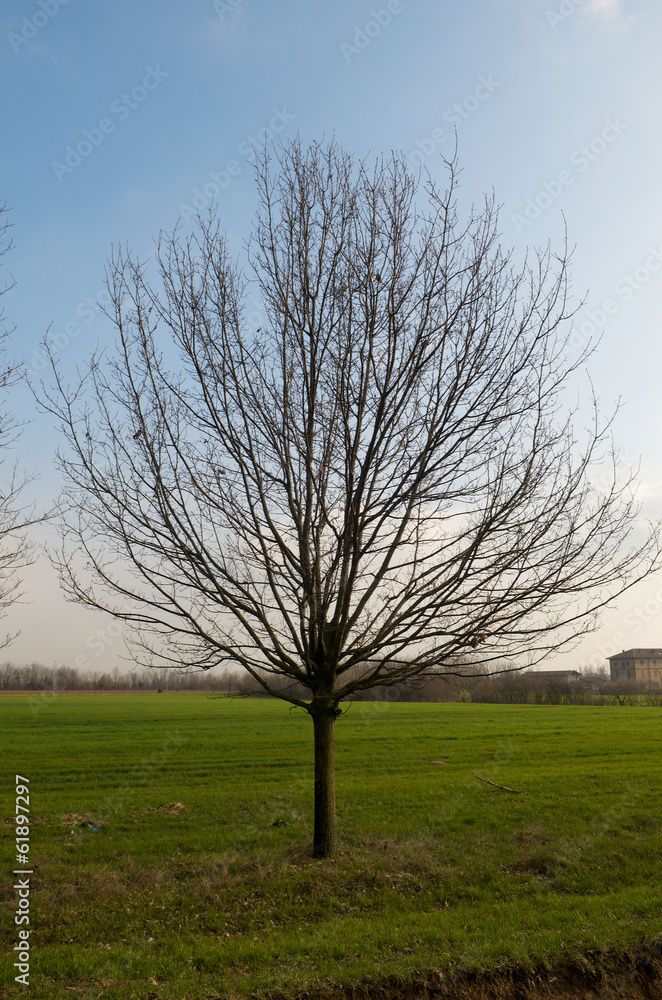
[(380, 482)]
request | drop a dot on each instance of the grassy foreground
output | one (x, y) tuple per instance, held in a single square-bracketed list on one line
[(197, 880)]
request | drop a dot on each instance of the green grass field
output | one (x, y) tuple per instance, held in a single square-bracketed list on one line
[(220, 898)]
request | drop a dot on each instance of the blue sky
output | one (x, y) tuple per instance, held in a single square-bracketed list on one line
[(119, 118)]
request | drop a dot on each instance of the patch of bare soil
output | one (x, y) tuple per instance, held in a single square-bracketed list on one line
[(631, 975)]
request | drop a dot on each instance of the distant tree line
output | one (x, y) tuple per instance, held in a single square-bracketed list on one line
[(529, 688), (522, 688), (511, 688), (37, 677), (505, 688)]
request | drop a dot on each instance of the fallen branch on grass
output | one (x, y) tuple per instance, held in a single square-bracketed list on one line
[(517, 791)]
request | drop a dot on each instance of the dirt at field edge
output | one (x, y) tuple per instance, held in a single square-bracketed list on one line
[(632, 975)]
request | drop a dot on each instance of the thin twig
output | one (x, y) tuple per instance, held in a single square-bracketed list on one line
[(517, 791)]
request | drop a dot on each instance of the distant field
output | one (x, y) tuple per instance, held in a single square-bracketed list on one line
[(216, 895)]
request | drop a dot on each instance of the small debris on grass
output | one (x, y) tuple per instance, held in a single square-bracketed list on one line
[(74, 820), (505, 788)]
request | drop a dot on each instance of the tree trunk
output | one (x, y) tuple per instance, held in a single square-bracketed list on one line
[(324, 837)]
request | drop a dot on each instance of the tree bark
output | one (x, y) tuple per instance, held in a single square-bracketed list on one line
[(325, 841)]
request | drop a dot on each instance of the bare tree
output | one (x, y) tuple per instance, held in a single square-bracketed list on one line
[(15, 551), (376, 483)]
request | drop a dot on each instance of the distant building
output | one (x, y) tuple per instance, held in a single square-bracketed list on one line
[(561, 676), (642, 666)]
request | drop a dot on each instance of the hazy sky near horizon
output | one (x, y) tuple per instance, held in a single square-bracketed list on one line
[(120, 118)]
